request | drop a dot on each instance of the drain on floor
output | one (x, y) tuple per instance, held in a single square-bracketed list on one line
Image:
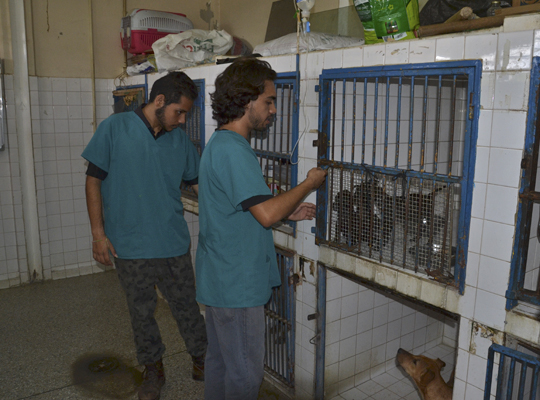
[(105, 376)]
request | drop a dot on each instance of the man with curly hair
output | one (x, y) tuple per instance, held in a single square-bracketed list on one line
[(236, 261)]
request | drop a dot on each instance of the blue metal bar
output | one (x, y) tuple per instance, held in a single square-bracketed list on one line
[(437, 126), (376, 102), (489, 373), (353, 121), (321, 332), (424, 127), (364, 122), (343, 121), (511, 372), (500, 376), (387, 116), (522, 378), (411, 118), (398, 124)]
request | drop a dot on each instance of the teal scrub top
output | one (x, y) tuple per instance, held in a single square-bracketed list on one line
[(142, 207), (236, 262)]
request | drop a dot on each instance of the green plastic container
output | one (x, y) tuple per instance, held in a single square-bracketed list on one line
[(394, 19)]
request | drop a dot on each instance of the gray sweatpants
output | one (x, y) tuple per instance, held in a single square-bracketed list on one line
[(175, 279)]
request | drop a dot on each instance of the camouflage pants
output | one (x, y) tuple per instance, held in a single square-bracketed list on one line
[(175, 279)]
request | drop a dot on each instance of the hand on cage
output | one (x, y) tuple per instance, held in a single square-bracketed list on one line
[(305, 211)]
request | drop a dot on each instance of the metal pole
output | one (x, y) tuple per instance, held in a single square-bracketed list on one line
[(24, 136)]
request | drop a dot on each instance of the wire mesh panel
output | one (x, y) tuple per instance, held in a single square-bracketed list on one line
[(280, 323), (194, 128), (398, 144), (512, 374), (274, 147)]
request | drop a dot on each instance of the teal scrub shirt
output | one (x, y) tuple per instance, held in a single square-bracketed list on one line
[(142, 207), (236, 260)]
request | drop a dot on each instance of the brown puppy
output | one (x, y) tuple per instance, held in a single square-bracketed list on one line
[(426, 374)]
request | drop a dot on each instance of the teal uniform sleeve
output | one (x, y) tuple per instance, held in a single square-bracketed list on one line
[(238, 170), (99, 148)]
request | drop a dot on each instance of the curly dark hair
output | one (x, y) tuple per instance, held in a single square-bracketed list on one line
[(240, 83), (173, 86)]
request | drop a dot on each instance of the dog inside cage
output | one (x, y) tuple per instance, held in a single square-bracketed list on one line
[(403, 221)]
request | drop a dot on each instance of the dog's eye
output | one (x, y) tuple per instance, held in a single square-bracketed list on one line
[(414, 362)]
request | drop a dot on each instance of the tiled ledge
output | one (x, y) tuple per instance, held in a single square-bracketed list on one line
[(404, 282), (523, 322)]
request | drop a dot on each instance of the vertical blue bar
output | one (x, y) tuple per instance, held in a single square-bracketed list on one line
[(343, 123), (398, 124), (411, 125), (353, 121), (364, 123), (321, 332), (386, 118), (376, 103)]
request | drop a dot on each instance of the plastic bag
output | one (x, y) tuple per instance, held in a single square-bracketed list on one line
[(438, 11), (363, 10), (190, 48), (395, 19), (307, 42)]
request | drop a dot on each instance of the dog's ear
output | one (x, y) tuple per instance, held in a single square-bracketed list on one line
[(440, 363), (427, 377)]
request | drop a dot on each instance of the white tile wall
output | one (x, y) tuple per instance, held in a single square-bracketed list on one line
[(369, 327)]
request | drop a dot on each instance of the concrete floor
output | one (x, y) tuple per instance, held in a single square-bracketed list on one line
[(72, 339)]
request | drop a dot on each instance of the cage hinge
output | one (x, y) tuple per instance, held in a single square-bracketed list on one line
[(317, 88)]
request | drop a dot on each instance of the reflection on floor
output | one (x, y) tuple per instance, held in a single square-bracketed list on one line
[(394, 384), (72, 339)]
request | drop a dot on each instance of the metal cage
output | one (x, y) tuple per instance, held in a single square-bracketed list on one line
[(399, 146)]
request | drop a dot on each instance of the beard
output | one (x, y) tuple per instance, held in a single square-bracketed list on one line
[(260, 125), (160, 115)]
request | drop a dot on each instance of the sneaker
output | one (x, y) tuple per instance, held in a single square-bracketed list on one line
[(198, 368), (153, 380)]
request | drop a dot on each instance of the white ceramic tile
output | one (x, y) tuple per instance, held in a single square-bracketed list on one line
[(475, 235), (349, 305), (504, 167), (58, 84), (473, 262), (511, 90), (352, 57), (74, 98), (536, 38), (334, 58), (366, 299), (333, 288), (482, 164), (501, 204), (479, 200), (59, 98), (482, 47), (493, 275), (380, 315), (365, 321), (515, 51), (86, 84), (450, 49), (487, 90), (73, 84), (347, 348), (497, 240), (348, 327), (374, 54), (477, 371), (422, 51), (285, 63), (397, 52), (346, 370), (310, 65)]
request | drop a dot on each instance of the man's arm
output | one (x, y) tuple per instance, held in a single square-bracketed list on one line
[(279, 207), (100, 243)]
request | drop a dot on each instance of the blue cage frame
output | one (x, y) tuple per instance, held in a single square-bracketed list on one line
[(473, 69)]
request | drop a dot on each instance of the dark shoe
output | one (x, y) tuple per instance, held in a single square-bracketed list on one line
[(153, 380), (198, 368)]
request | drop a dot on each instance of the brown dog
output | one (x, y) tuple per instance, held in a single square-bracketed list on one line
[(426, 374)]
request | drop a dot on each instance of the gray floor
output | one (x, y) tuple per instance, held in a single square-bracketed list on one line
[(71, 339)]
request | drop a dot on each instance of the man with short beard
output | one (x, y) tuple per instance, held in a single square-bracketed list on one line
[(236, 260), (137, 162)]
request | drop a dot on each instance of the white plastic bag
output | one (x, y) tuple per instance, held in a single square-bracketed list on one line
[(307, 42), (179, 50)]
